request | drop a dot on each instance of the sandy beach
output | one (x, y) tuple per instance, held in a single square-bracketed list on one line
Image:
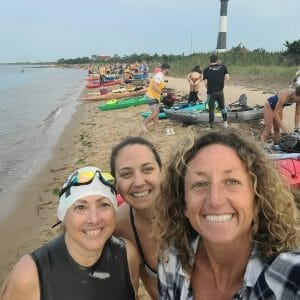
[(87, 140)]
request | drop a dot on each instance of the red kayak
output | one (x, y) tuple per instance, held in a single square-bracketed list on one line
[(290, 169), (92, 78), (96, 83)]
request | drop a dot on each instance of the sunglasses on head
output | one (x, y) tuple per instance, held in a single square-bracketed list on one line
[(86, 177)]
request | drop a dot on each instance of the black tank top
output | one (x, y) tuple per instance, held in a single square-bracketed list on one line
[(61, 278)]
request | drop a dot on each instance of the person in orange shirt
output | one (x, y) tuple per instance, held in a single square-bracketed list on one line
[(154, 92)]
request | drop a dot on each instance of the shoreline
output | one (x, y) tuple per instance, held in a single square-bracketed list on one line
[(87, 140), (25, 219)]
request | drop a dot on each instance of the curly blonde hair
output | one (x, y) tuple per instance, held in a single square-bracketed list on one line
[(275, 227)]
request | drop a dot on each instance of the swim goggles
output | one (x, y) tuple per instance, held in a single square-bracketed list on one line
[(86, 177)]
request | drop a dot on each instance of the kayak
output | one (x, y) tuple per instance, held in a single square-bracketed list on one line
[(96, 83), (146, 114), (92, 78), (115, 95), (123, 103), (289, 168), (233, 114), (283, 155), (180, 106), (110, 77)]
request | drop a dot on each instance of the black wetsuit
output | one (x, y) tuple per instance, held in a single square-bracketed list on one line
[(61, 278)]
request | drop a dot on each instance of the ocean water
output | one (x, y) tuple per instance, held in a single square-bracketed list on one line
[(35, 106)]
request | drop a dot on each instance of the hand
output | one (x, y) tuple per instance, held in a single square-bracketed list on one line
[(284, 130)]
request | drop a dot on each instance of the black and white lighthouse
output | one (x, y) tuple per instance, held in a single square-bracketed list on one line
[(221, 44)]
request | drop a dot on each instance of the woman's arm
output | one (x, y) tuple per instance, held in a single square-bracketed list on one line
[(22, 282), (189, 79), (134, 261)]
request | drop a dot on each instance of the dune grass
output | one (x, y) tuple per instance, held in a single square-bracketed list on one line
[(256, 68)]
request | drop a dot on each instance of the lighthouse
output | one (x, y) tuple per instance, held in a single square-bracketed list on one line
[(221, 44)]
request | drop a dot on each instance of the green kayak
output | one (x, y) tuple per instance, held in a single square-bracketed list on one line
[(123, 103)]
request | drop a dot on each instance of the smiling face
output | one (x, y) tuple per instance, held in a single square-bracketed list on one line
[(219, 196), (138, 176), (89, 222)]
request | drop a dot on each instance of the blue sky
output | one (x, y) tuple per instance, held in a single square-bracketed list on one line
[(32, 30)]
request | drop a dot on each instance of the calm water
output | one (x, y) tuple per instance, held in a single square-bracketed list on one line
[(35, 106)]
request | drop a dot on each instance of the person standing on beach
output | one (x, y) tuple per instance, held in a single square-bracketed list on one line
[(144, 69), (153, 95), (273, 112), (86, 261), (137, 169), (194, 78), (214, 77)]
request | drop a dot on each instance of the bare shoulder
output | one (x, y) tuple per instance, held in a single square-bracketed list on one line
[(22, 282), (131, 249), (283, 94), (123, 227)]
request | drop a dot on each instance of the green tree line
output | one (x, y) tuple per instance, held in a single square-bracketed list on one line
[(257, 67), (238, 55)]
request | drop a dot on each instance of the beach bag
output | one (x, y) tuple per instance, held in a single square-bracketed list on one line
[(289, 143)]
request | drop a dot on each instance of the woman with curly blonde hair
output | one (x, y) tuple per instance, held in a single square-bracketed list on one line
[(229, 227)]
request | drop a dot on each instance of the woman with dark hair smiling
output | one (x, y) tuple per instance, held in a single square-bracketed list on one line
[(137, 169)]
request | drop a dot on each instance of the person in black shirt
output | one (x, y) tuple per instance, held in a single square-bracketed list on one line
[(214, 77)]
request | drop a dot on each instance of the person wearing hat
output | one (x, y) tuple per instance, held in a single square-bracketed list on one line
[(153, 95), (85, 261)]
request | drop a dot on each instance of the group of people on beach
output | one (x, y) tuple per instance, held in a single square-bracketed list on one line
[(127, 71), (216, 222), (214, 78)]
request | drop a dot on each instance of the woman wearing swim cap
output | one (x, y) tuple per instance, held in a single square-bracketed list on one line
[(86, 261)]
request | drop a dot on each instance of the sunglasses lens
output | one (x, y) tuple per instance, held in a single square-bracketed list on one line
[(84, 177), (108, 177)]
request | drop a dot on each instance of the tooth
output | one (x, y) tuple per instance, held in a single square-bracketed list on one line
[(218, 218), (93, 232), (140, 194)]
